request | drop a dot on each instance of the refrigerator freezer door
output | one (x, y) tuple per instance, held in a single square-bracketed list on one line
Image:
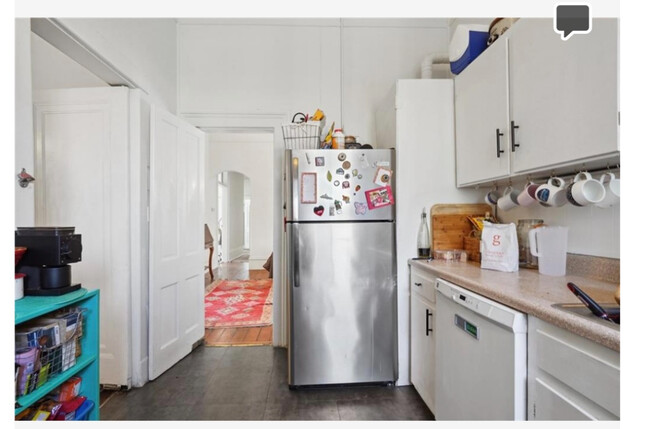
[(331, 185), (343, 303)]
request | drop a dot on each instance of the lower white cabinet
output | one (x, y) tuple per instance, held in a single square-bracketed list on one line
[(422, 335), (570, 377)]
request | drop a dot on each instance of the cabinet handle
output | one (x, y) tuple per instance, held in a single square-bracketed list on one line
[(513, 127), (429, 314), (499, 151), (418, 284)]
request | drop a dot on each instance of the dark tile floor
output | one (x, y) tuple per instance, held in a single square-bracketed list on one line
[(250, 383)]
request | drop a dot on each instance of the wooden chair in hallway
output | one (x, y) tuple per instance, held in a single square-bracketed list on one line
[(209, 244)]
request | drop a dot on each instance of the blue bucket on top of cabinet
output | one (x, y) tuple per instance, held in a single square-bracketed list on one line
[(466, 45)]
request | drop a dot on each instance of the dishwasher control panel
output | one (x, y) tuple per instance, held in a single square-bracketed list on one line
[(466, 301), (466, 326), (492, 310)]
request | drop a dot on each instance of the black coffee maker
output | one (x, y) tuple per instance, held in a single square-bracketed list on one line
[(45, 263)]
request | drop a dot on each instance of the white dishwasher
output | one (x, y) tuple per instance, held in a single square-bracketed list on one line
[(480, 365)]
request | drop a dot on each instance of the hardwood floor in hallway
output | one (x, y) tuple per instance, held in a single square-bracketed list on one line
[(237, 269)]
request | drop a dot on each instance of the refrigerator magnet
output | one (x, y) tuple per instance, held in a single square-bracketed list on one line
[(346, 165), (341, 156), (363, 161), (382, 176), (346, 199), (326, 197), (331, 211), (379, 197), (320, 161), (339, 208), (329, 176), (308, 188), (355, 172), (319, 210), (336, 183), (360, 208), (345, 184), (340, 171)]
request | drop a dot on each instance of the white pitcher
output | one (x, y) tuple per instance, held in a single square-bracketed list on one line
[(549, 244)]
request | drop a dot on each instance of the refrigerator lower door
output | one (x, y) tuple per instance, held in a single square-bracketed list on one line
[(342, 303)]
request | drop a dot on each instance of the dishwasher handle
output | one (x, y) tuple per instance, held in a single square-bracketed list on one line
[(427, 329)]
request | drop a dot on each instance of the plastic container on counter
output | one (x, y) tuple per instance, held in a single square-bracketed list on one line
[(454, 255)]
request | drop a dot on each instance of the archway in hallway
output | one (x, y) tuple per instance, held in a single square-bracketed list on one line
[(239, 197)]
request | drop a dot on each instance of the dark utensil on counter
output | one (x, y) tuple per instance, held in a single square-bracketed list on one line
[(613, 315)]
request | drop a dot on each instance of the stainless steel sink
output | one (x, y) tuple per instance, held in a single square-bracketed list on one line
[(582, 311)]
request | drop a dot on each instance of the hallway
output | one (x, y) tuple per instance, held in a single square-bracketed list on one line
[(237, 269), (250, 383)]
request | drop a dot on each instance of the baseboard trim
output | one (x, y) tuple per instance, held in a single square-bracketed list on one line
[(256, 264)]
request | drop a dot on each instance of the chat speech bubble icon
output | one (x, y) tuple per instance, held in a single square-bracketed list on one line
[(570, 19)]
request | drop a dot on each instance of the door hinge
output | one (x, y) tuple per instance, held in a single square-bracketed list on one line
[(534, 410)]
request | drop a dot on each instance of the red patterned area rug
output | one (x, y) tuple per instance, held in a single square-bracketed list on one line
[(239, 303)]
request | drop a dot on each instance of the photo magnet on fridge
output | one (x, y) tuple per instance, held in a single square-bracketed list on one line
[(382, 176), (308, 188), (379, 197)]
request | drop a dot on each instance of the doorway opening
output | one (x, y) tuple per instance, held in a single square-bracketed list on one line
[(239, 199)]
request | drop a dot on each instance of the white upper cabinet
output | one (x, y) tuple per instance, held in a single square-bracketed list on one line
[(555, 101), (563, 94), (482, 117)]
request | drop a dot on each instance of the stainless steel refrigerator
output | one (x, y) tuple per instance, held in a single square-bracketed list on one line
[(340, 235)]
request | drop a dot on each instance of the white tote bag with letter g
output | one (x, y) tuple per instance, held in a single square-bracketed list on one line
[(499, 247)]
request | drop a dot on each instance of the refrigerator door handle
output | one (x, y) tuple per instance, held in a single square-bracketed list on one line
[(295, 262), (295, 192)]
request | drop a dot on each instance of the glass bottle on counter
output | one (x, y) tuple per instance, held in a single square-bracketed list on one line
[(526, 258), (424, 246)]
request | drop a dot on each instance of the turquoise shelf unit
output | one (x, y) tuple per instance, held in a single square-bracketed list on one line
[(87, 364)]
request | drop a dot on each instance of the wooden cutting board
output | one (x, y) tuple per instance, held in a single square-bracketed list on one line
[(449, 224)]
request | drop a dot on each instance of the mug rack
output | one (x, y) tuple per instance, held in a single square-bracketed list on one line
[(567, 176)]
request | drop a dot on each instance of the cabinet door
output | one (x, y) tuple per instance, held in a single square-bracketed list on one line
[(422, 348), (563, 94), (481, 94), (555, 404), (570, 377)]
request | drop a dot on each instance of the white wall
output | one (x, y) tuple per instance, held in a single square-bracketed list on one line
[(235, 209), (251, 155), (143, 49), (375, 54), (257, 67), (52, 69), (24, 210), (269, 66)]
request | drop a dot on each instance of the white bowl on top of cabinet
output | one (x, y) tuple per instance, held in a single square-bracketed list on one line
[(532, 102), (423, 307)]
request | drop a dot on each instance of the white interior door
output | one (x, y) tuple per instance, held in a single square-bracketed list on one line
[(176, 312), (82, 180)]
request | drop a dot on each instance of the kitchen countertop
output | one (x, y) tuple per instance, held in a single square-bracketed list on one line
[(533, 293)]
